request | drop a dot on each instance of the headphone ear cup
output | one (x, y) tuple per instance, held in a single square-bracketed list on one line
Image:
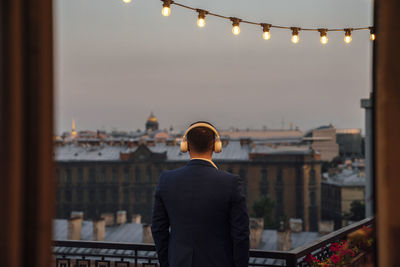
[(217, 146), (184, 146)]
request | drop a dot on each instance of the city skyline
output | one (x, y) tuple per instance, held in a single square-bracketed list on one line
[(116, 62), (74, 130)]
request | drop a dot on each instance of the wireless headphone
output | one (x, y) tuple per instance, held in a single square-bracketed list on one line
[(217, 143)]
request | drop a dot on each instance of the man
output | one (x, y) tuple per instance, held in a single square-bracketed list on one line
[(200, 215)]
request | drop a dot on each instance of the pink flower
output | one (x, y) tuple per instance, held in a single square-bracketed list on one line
[(335, 247), (350, 252), (309, 258), (335, 259)]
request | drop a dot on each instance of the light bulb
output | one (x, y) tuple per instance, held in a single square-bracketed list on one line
[(236, 30), (295, 35), (324, 37), (166, 11), (372, 37), (266, 35), (126, 1), (372, 33), (235, 24), (201, 22), (347, 36)]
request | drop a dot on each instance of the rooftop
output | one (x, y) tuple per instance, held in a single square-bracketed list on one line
[(347, 177), (233, 151), (133, 233)]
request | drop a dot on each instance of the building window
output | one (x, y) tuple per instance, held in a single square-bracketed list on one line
[(92, 195), (68, 176), (92, 175), (143, 196), (230, 169), (137, 197), (243, 175), (109, 194), (114, 175), (126, 174), (264, 181), (279, 194), (313, 201), (80, 175), (299, 193), (103, 174), (149, 196), (115, 196), (138, 174), (58, 195), (312, 176), (68, 195), (148, 173), (103, 196), (126, 196), (80, 195)]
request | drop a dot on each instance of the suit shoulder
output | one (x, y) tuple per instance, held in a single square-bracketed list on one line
[(227, 175), (168, 173)]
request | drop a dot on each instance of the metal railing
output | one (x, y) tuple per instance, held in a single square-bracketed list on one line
[(106, 254)]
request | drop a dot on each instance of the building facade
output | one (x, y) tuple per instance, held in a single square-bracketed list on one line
[(338, 192), (101, 178), (350, 143)]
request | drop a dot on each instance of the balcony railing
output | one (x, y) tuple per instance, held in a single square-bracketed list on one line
[(106, 254)]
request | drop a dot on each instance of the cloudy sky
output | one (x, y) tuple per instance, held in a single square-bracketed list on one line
[(116, 62)]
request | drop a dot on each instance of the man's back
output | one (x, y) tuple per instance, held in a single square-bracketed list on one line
[(206, 211)]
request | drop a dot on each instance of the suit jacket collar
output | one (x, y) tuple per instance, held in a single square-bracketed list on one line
[(201, 162)]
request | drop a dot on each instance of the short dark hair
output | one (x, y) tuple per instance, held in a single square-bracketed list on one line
[(201, 139)]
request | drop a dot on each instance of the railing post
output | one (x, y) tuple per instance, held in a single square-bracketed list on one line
[(291, 260)]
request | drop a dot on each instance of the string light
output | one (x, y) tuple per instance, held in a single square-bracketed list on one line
[(324, 37), (266, 31), (295, 35), (235, 24), (201, 21), (347, 36), (372, 34), (126, 1), (166, 10)]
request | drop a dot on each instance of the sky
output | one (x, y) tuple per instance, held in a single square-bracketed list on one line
[(115, 63)]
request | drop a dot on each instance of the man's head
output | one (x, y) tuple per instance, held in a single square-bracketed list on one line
[(201, 140)]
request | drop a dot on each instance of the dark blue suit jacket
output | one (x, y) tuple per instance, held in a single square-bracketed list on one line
[(200, 218)]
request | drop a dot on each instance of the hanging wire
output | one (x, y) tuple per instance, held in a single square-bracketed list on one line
[(271, 25)]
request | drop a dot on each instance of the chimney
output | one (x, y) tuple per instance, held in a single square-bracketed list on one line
[(131, 143), (109, 218), (284, 242), (121, 217), (245, 141), (296, 225), (75, 228), (325, 227), (137, 218), (147, 236), (256, 229), (77, 214), (99, 228)]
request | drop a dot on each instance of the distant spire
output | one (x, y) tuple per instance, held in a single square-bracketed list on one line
[(73, 130)]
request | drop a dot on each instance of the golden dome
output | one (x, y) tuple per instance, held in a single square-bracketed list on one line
[(152, 118)]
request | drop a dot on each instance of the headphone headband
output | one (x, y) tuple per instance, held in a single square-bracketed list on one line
[(201, 124)]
